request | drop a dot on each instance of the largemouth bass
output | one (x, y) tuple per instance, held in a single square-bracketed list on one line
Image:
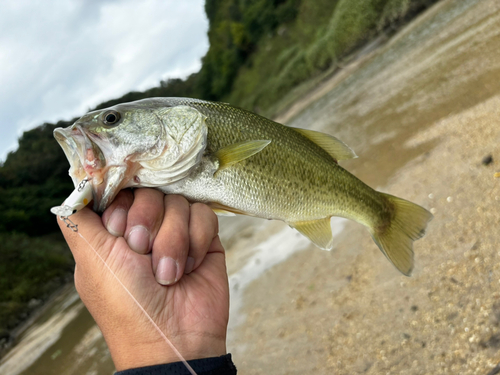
[(237, 162)]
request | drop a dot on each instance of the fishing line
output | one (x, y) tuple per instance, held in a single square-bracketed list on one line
[(158, 329)]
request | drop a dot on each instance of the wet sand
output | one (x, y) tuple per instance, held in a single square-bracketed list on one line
[(425, 112)]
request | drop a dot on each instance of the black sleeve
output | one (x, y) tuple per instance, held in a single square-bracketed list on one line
[(222, 365)]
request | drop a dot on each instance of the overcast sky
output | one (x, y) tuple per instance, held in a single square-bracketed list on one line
[(60, 58)]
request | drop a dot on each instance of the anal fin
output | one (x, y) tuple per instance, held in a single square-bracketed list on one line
[(318, 231)]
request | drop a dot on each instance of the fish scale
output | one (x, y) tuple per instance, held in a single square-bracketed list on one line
[(309, 181)]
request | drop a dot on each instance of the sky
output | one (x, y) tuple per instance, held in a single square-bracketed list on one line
[(60, 58)]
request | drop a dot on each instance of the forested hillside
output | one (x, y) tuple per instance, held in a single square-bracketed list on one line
[(259, 51)]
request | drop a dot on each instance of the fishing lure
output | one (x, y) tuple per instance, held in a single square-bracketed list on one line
[(78, 199)]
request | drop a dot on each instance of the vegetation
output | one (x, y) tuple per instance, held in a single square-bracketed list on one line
[(33, 179), (259, 51), (30, 268), (32, 263)]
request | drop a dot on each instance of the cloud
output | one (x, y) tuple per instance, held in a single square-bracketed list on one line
[(59, 60)]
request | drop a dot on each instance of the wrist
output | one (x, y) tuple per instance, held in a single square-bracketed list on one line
[(127, 355), (221, 365)]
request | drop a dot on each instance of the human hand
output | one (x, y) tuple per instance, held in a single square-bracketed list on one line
[(192, 311)]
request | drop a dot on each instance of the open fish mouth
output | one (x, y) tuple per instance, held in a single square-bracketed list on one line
[(84, 155), (86, 158)]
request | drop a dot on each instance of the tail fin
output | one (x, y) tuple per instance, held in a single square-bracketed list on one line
[(396, 239)]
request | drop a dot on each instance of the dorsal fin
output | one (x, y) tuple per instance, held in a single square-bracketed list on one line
[(237, 152), (335, 147)]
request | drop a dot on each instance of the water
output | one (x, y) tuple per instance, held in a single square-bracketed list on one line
[(420, 112), (63, 340)]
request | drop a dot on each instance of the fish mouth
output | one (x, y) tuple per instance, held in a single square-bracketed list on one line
[(86, 154), (85, 157)]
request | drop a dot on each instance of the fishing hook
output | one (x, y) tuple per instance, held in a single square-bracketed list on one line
[(69, 223)]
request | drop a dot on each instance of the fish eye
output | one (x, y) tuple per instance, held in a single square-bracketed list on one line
[(111, 118)]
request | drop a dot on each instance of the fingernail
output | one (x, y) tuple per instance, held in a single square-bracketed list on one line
[(189, 265), (138, 239), (166, 273), (117, 222)]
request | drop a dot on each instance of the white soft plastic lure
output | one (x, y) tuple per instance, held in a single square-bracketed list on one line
[(78, 199)]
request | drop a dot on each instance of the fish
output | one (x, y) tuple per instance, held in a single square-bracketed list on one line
[(236, 162)]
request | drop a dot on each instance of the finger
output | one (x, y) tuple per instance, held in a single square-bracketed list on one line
[(213, 267), (171, 245), (90, 231), (144, 219), (216, 247), (203, 228), (114, 217)]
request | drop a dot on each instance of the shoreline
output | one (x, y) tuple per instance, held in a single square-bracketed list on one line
[(315, 87), (35, 313)]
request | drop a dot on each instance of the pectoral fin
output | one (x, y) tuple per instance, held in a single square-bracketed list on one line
[(237, 152), (335, 147), (221, 212), (318, 231)]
